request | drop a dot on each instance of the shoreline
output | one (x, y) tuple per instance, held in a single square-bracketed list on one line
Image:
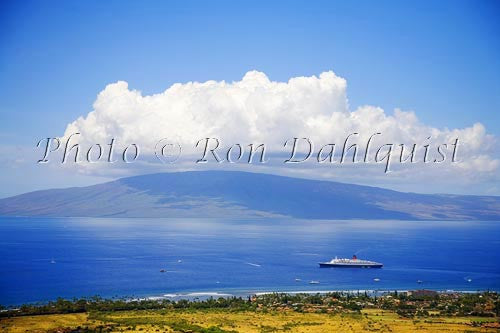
[(268, 312), (244, 293)]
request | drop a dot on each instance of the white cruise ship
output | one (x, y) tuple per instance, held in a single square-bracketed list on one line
[(354, 262)]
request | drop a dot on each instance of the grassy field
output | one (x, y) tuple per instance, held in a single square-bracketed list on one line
[(213, 321)]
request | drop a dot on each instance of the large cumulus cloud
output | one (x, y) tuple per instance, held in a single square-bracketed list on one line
[(258, 110)]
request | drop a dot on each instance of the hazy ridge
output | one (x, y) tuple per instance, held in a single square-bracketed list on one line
[(242, 194)]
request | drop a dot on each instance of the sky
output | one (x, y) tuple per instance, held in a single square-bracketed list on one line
[(439, 60)]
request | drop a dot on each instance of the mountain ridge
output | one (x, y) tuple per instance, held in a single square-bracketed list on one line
[(238, 194)]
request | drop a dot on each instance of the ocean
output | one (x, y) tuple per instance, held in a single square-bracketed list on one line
[(42, 259)]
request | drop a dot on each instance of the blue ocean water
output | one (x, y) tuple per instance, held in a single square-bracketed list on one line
[(45, 258)]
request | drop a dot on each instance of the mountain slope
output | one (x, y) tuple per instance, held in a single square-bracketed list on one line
[(241, 194)]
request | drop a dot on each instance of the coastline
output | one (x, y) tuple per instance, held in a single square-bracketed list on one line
[(240, 293), (267, 312), (203, 295)]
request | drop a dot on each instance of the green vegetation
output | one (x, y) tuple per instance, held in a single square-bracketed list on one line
[(412, 304), (405, 312)]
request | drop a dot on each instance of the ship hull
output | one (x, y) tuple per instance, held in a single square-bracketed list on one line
[(327, 264)]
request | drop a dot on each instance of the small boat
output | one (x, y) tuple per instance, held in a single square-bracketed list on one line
[(376, 279), (162, 271), (419, 281), (52, 261), (469, 280), (298, 280), (179, 261), (313, 282)]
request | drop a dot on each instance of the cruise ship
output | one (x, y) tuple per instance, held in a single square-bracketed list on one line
[(354, 263)]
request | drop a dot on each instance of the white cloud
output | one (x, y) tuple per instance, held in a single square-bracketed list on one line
[(258, 110), (251, 109)]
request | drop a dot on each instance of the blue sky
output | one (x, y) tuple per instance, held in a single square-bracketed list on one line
[(440, 59)]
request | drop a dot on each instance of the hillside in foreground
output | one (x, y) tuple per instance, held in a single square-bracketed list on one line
[(332, 312)]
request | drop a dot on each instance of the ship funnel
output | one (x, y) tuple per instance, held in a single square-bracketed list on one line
[(354, 257)]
